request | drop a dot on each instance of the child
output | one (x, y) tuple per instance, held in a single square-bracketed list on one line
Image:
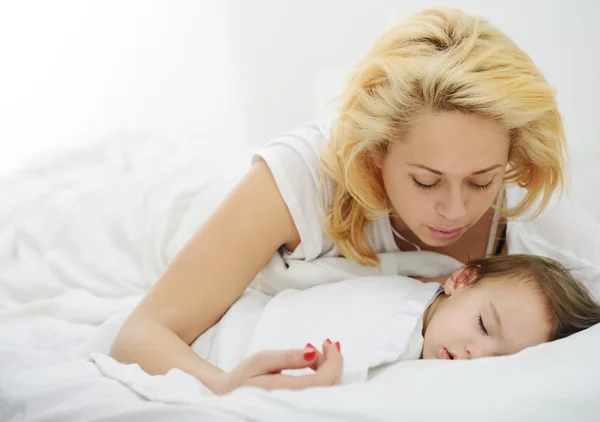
[(490, 307), (501, 305)]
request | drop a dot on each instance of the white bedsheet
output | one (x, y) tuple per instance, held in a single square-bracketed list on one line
[(85, 234), (49, 386)]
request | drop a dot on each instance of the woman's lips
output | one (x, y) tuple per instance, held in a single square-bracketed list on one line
[(446, 233)]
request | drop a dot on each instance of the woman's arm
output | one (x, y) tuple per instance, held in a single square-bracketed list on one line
[(206, 278)]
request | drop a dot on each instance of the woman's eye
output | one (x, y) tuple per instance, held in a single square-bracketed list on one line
[(424, 186), (487, 186)]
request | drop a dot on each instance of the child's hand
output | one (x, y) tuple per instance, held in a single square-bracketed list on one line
[(263, 369)]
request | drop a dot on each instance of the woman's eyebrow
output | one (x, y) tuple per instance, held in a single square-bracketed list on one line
[(485, 170)]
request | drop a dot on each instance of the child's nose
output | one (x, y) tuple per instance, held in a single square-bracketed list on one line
[(476, 351)]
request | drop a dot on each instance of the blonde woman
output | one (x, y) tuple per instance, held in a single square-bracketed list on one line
[(443, 113)]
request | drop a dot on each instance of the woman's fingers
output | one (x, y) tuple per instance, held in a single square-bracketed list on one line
[(275, 361), (328, 370)]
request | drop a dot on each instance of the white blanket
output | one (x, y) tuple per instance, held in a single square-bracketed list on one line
[(379, 321), (85, 235)]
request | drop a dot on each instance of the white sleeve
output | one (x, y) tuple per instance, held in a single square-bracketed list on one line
[(564, 232), (293, 158)]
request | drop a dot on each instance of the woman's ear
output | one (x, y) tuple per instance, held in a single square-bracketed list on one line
[(460, 278), (378, 160), (378, 155)]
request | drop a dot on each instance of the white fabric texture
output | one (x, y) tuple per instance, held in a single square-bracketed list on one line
[(378, 322), (563, 232), (85, 234)]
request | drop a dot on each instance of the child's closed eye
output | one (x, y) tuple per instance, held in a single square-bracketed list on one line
[(481, 326)]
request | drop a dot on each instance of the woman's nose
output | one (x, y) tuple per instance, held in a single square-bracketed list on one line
[(454, 206)]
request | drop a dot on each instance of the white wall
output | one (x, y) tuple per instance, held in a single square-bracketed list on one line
[(236, 72), (77, 71)]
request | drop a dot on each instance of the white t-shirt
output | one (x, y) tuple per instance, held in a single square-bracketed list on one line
[(563, 232), (380, 321), (293, 158)]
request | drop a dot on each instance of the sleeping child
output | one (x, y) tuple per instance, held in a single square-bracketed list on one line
[(490, 307)]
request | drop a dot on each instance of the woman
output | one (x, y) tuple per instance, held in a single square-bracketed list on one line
[(442, 113)]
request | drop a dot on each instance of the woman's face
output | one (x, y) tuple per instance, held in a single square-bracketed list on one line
[(445, 175)]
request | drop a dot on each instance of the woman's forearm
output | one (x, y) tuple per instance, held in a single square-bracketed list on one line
[(205, 278), (157, 350)]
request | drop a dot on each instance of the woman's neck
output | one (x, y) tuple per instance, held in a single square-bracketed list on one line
[(399, 225), (404, 237)]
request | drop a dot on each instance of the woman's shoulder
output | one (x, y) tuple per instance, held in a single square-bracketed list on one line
[(293, 159), (561, 219), (563, 231), (306, 140), (293, 156)]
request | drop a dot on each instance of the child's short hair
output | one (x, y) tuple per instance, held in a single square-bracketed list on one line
[(571, 307)]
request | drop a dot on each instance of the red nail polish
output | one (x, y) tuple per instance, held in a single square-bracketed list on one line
[(310, 354), (328, 341), (310, 346), (338, 346)]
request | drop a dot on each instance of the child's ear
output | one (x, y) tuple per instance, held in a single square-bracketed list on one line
[(460, 278)]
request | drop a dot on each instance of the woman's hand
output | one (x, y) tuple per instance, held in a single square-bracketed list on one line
[(263, 369)]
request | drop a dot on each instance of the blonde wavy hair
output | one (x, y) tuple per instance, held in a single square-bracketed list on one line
[(437, 60)]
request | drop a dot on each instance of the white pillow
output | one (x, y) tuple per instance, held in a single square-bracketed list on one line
[(552, 382)]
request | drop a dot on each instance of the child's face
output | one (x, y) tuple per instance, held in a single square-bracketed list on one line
[(491, 318)]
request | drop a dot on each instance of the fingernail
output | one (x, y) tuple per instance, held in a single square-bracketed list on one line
[(328, 341), (310, 346), (310, 354), (338, 346)]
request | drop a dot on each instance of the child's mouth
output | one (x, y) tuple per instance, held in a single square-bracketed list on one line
[(446, 355)]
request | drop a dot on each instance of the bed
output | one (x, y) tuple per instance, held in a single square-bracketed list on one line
[(86, 232)]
